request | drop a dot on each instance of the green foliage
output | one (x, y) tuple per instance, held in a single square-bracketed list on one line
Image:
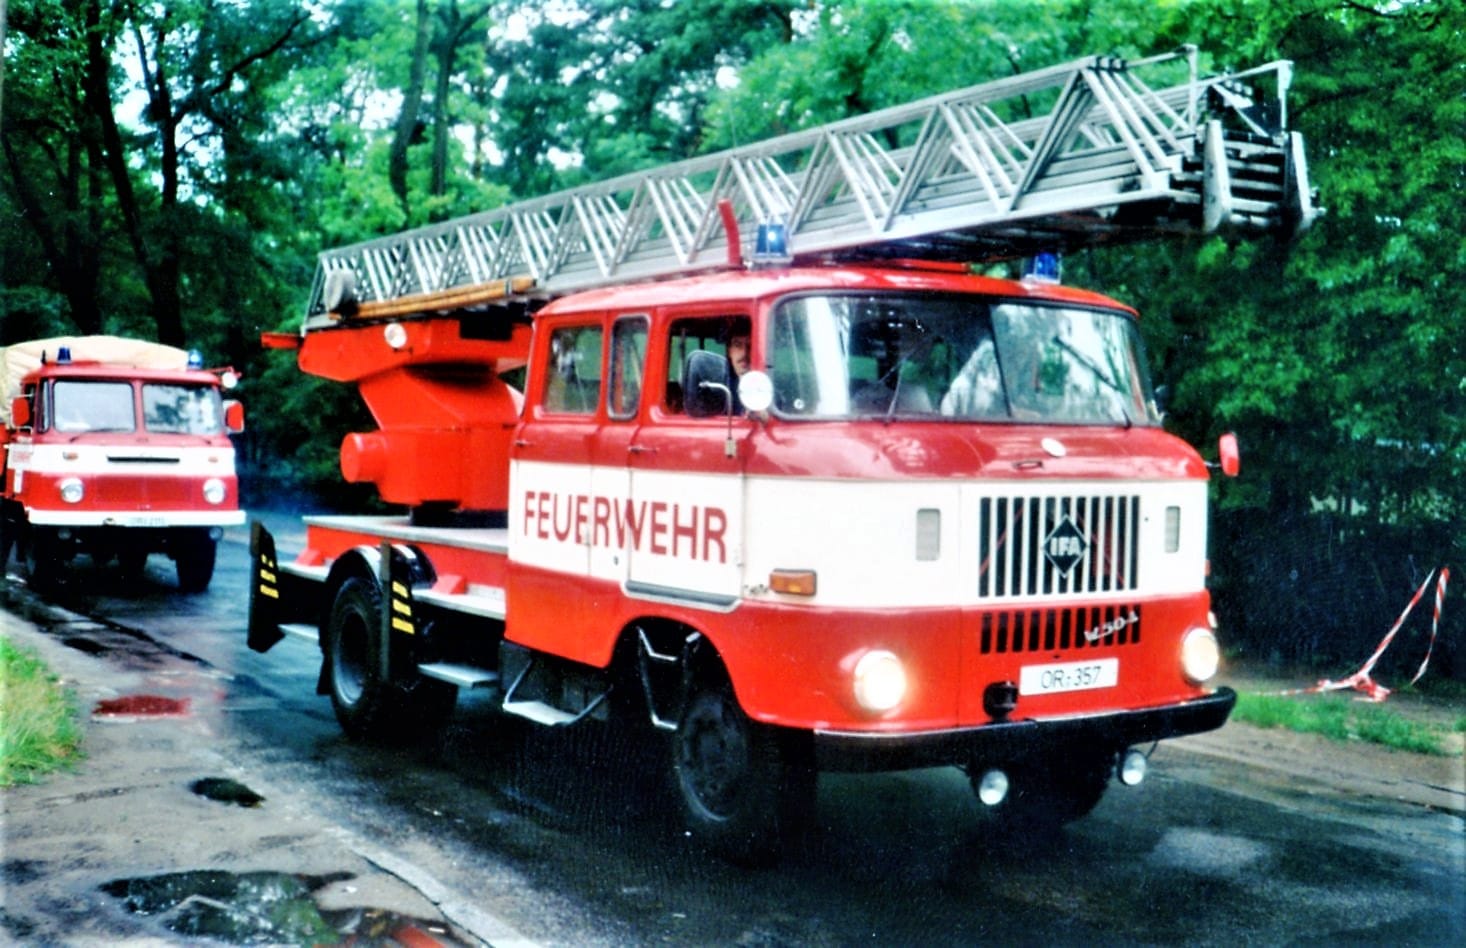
[(1341, 718), (38, 727)]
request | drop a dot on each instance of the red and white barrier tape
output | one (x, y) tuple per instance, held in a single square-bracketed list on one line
[(1360, 680)]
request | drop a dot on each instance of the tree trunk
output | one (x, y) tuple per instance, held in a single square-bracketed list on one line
[(407, 120)]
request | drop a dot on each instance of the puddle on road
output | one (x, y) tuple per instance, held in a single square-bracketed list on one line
[(253, 908), (225, 790), (141, 706)]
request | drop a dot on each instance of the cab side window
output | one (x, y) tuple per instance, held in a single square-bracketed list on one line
[(628, 363), (573, 377), (709, 333)]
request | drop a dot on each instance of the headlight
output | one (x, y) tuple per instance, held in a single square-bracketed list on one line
[(880, 681), (214, 490), (72, 490), (1200, 655)]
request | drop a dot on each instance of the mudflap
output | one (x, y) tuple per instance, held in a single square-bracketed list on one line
[(264, 594)]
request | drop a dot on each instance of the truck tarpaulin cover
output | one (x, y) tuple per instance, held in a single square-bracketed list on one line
[(24, 357)]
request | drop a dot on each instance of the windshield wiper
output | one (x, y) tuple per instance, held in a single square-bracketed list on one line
[(905, 360), (1098, 371)]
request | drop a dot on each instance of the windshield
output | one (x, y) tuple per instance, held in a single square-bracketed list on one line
[(92, 406), (958, 358), (182, 409)]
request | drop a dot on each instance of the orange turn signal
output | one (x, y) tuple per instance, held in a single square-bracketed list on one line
[(792, 582)]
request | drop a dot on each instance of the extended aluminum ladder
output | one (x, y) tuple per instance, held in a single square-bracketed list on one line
[(973, 174)]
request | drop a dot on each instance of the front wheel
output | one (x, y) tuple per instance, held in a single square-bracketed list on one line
[(194, 557), (44, 560), (741, 788)]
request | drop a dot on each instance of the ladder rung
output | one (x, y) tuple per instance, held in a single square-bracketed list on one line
[(464, 676)]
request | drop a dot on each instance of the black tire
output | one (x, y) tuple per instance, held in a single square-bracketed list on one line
[(132, 563), (43, 564), (359, 696), (367, 706), (194, 557), (1048, 791), (740, 793)]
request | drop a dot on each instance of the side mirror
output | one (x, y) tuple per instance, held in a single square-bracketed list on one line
[(1230, 454), (20, 412), (233, 416), (755, 391), (705, 384)]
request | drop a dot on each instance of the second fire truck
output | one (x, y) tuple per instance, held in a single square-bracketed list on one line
[(744, 451)]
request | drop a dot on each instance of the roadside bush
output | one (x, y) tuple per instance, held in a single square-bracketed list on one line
[(38, 727)]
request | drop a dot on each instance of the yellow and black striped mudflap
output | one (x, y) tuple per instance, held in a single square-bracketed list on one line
[(264, 595), (398, 612)]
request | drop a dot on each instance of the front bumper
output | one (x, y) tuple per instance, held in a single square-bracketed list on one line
[(1009, 740)]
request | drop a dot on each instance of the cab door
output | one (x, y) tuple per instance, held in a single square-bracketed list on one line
[(616, 446), (548, 599), (684, 518)]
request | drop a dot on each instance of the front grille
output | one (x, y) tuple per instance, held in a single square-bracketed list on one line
[(1049, 630), (1037, 545)]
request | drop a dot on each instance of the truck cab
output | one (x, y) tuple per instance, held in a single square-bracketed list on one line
[(118, 456)]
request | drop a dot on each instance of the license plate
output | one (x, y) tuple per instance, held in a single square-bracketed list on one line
[(142, 521), (1069, 676)]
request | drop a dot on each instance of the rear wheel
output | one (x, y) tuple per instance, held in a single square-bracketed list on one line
[(367, 705), (742, 788), (194, 557)]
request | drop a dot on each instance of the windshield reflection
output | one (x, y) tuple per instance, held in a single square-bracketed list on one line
[(956, 358)]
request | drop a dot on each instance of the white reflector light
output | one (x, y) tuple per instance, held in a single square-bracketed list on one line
[(1132, 767), (992, 788)]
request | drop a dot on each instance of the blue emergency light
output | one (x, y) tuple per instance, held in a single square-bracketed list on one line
[(771, 246), (63, 355), (1044, 268), (195, 359)]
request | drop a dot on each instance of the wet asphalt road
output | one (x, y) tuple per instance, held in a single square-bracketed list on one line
[(568, 839)]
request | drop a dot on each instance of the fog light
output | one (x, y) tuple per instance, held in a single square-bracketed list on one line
[(1132, 767), (880, 681), (1200, 655), (214, 491), (72, 490), (992, 788)]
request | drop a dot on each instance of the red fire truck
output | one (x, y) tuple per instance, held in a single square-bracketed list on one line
[(744, 450), (117, 448)]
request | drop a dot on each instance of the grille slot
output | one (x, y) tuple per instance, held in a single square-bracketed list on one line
[(1051, 630), (1091, 539)]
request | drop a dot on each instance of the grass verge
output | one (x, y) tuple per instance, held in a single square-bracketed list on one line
[(1343, 719), (39, 729)]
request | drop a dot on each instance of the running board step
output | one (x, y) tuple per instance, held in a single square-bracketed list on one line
[(539, 712), (301, 630), (464, 676)]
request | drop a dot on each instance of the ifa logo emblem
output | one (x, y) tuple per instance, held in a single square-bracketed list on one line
[(1065, 546)]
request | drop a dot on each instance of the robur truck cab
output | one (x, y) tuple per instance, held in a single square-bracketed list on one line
[(822, 499), (116, 448)]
